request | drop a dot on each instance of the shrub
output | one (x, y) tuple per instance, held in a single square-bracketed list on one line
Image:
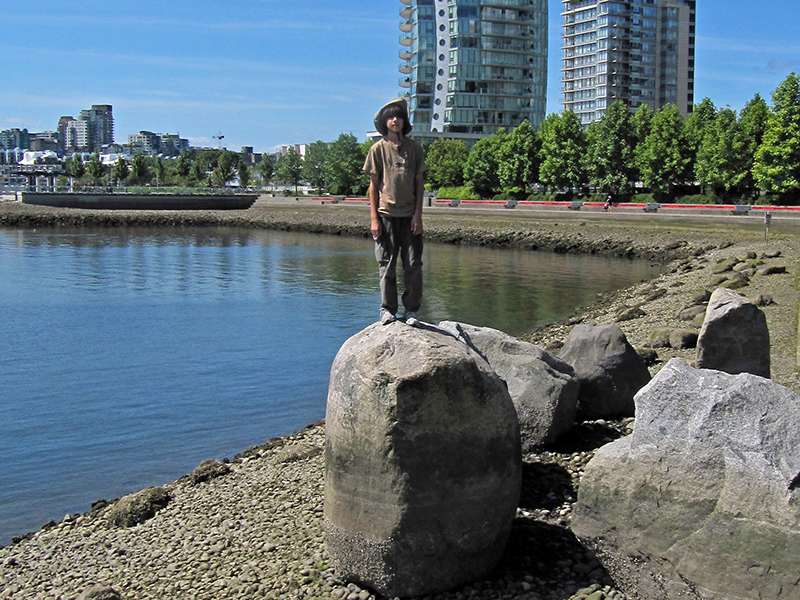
[(464, 192)]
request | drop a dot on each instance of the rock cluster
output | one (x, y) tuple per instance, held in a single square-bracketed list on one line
[(708, 502)]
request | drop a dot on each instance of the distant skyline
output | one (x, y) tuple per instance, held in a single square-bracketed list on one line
[(268, 72)]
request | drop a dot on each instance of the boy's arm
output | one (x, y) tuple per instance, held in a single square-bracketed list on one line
[(375, 222), (419, 194)]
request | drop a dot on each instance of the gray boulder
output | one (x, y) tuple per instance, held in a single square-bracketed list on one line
[(137, 508), (544, 389), (702, 500), (99, 592), (734, 337), (608, 368), (422, 461)]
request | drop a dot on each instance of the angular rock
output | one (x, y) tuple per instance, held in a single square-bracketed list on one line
[(544, 389), (209, 469), (137, 508), (702, 500), (98, 592), (682, 338), (772, 270), (422, 461), (608, 368), (734, 337), (688, 314), (658, 338)]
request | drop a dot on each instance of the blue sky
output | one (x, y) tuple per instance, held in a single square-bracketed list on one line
[(269, 72)]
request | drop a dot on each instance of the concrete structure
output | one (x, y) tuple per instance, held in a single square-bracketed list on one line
[(471, 67), (636, 51)]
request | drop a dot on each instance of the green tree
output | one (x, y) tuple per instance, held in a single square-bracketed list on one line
[(95, 169), (159, 170), (642, 123), (563, 148), (77, 168), (266, 168), (183, 165), (721, 157), (225, 169), (753, 120), (289, 169), (139, 172), (445, 161), (120, 171), (482, 168), (610, 161), (314, 164), (244, 174), (519, 159), (344, 166), (777, 161), (662, 158), (695, 127)]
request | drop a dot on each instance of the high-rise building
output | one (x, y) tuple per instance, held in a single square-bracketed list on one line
[(101, 125), (471, 67), (636, 51)]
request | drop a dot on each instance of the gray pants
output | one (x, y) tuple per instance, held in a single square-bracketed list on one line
[(396, 240)]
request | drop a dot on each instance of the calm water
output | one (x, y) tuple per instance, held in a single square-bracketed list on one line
[(129, 356)]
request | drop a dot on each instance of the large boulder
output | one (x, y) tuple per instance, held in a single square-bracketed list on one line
[(702, 500), (734, 337), (138, 507), (609, 370), (422, 461), (544, 389)]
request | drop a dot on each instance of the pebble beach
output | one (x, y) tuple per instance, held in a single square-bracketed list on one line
[(256, 530)]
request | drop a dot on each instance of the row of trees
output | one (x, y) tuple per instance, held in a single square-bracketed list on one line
[(713, 152), (718, 153)]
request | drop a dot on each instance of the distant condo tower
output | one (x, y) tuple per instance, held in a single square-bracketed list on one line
[(471, 67), (639, 51)]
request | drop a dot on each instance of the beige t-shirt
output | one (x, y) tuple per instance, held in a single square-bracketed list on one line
[(397, 167)]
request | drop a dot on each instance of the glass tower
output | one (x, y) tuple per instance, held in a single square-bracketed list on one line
[(471, 67), (639, 51)]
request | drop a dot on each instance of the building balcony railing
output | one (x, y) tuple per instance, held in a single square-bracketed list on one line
[(405, 82), (406, 12), (406, 54), (405, 68), (406, 26), (406, 40)]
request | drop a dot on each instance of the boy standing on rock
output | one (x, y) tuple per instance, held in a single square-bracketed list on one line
[(396, 166)]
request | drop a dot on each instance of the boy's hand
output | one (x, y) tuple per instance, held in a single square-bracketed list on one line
[(416, 224), (375, 228)]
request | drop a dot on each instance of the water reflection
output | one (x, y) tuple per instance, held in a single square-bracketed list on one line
[(512, 290)]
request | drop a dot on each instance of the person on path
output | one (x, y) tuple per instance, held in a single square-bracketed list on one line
[(396, 168)]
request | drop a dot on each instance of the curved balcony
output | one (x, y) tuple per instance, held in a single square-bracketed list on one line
[(406, 40), (406, 26), (405, 82), (406, 2), (405, 68), (406, 54), (406, 12)]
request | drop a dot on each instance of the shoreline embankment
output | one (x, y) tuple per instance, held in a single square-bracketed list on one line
[(256, 532)]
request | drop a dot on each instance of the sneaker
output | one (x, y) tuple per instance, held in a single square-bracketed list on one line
[(411, 318), (386, 317)]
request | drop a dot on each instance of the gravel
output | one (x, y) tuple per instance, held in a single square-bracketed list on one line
[(254, 529)]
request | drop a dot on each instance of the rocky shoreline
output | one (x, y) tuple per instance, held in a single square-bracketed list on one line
[(256, 531)]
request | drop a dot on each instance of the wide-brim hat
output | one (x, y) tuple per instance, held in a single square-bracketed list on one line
[(380, 121)]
